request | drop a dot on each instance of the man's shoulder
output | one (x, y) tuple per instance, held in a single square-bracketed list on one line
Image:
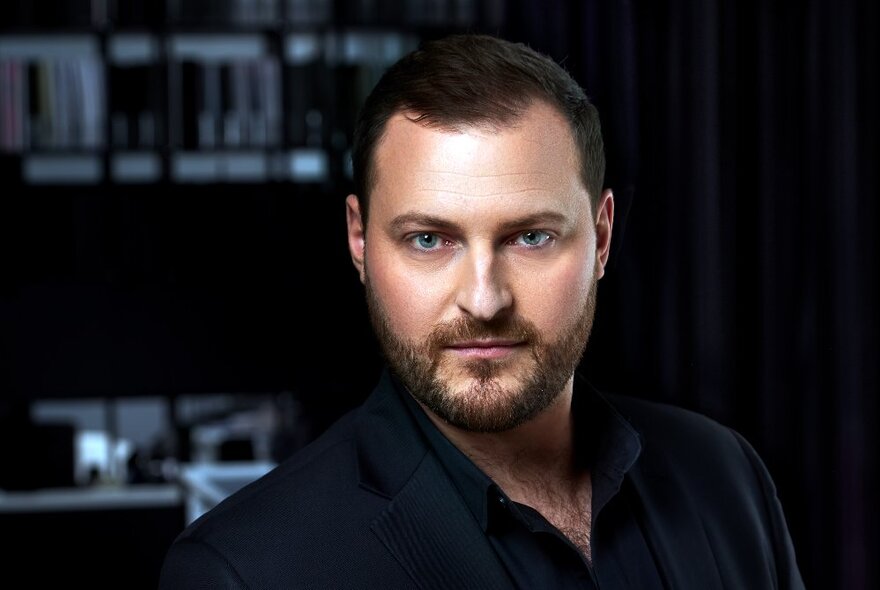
[(690, 451), (310, 505), (323, 479), (307, 523), (682, 438), (650, 418), (296, 484)]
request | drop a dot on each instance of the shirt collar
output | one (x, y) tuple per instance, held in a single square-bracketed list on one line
[(604, 439)]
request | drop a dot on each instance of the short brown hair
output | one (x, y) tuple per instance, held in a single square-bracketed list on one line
[(473, 80)]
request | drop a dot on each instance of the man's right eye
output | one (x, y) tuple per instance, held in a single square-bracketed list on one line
[(426, 241)]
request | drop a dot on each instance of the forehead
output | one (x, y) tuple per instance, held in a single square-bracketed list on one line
[(527, 163)]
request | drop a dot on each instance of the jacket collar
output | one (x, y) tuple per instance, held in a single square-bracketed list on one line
[(389, 446), (426, 525)]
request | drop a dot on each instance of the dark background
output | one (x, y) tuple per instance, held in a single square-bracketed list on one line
[(742, 149)]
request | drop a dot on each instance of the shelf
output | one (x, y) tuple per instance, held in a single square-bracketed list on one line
[(301, 165), (136, 167), (367, 47), (300, 48), (308, 165), (39, 47), (298, 165), (202, 168), (91, 498), (62, 169), (128, 49), (217, 47)]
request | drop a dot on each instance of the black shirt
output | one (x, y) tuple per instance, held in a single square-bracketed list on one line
[(534, 552)]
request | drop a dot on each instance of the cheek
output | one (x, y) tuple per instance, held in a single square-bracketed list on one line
[(558, 296), (412, 301)]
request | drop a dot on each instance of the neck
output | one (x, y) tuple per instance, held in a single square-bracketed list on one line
[(527, 456)]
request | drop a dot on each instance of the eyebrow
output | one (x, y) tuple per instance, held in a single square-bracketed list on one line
[(421, 219)]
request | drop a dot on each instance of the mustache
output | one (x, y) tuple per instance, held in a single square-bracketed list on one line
[(460, 329)]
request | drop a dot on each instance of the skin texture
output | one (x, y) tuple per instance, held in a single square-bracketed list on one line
[(481, 260)]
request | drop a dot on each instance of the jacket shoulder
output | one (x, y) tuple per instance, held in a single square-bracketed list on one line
[(303, 514), (690, 458), (664, 427), (296, 484), (699, 454)]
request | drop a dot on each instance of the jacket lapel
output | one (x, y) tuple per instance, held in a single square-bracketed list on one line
[(433, 535), (426, 525)]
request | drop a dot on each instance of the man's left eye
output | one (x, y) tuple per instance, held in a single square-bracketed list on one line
[(532, 238)]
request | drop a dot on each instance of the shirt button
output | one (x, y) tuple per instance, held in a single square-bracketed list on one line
[(502, 500)]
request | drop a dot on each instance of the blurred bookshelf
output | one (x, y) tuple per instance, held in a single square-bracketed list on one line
[(119, 92), (174, 180), (174, 177)]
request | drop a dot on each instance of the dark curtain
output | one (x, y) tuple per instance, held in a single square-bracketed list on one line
[(741, 143)]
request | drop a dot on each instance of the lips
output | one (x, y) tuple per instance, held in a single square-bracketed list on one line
[(493, 343), (491, 348)]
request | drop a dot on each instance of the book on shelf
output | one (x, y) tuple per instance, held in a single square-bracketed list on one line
[(136, 106), (230, 104), (14, 101), (52, 104)]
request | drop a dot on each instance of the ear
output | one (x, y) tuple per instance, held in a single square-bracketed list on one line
[(604, 223), (356, 233)]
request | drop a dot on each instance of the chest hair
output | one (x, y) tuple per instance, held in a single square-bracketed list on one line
[(574, 520), (571, 512)]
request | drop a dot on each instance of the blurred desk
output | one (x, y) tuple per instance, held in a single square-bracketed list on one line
[(97, 537), (91, 498)]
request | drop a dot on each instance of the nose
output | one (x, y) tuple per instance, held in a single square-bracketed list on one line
[(482, 289)]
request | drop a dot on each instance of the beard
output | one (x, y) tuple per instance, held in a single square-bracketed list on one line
[(485, 404)]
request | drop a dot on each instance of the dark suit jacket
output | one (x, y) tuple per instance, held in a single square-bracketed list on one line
[(368, 505)]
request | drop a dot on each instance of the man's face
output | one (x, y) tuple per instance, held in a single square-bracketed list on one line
[(480, 263)]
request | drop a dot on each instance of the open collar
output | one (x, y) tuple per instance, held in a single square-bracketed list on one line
[(606, 442)]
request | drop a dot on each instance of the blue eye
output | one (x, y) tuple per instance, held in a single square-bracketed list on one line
[(426, 241), (533, 238)]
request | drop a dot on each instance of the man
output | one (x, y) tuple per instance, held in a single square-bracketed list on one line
[(480, 230)]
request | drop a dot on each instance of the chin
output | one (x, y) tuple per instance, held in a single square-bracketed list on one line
[(492, 405)]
